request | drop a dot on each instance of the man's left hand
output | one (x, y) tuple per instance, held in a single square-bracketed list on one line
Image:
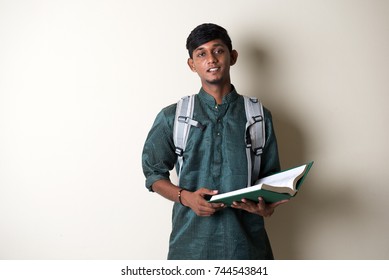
[(261, 208)]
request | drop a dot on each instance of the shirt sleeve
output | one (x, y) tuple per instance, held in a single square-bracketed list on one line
[(158, 156), (270, 162)]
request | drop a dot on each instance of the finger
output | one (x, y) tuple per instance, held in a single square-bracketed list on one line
[(261, 204), (210, 206), (266, 210), (275, 204), (204, 191), (239, 205), (248, 202), (207, 211), (235, 204), (217, 205)]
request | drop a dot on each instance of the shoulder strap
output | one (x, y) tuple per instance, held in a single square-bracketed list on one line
[(255, 137), (182, 122)]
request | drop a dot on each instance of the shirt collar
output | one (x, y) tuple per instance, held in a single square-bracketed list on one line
[(227, 99)]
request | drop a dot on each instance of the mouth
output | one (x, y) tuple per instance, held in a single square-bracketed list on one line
[(213, 69)]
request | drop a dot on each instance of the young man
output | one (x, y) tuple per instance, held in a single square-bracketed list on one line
[(214, 161)]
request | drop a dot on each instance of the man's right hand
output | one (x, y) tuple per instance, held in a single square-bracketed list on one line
[(197, 202)]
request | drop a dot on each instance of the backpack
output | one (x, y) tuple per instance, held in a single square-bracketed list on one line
[(254, 132)]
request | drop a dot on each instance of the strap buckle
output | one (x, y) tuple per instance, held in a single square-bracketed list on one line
[(183, 119), (257, 118), (258, 151), (191, 122), (179, 151)]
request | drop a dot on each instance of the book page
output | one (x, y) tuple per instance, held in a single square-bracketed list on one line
[(237, 192), (283, 179)]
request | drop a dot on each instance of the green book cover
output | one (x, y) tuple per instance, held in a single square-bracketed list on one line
[(277, 187)]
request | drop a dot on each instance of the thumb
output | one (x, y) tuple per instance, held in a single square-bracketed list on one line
[(205, 191), (275, 204)]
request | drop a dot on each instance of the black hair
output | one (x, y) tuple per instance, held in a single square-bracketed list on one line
[(204, 33)]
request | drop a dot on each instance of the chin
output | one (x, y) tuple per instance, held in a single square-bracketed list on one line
[(215, 81)]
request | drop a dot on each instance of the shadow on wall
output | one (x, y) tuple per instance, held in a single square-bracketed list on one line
[(262, 77), (305, 219)]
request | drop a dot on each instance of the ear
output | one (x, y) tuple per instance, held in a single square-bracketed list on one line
[(233, 57), (191, 65)]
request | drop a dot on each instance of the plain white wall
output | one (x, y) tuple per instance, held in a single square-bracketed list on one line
[(81, 83)]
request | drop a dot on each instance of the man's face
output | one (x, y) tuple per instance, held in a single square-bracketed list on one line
[(212, 62)]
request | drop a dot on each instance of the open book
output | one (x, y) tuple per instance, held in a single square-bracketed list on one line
[(273, 188)]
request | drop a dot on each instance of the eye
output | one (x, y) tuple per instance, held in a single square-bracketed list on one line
[(201, 54), (219, 51)]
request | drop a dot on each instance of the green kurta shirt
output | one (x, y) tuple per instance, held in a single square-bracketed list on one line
[(215, 158)]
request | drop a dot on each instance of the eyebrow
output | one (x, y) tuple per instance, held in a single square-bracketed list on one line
[(214, 45)]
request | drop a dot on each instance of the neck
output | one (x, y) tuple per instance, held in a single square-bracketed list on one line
[(218, 91)]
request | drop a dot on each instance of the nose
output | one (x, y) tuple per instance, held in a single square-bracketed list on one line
[(212, 58)]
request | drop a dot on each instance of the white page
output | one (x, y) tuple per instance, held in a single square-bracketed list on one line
[(282, 179)]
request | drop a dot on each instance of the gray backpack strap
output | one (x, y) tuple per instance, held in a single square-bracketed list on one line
[(182, 122), (255, 137)]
